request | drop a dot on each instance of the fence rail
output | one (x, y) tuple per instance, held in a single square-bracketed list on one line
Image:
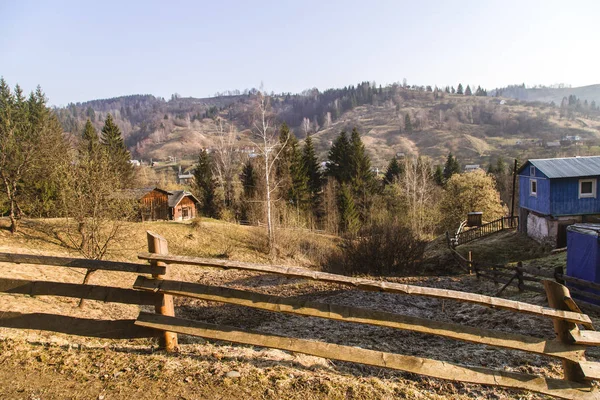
[(500, 224), (569, 345)]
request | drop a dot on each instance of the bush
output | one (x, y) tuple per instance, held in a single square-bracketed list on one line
[(380, 249)]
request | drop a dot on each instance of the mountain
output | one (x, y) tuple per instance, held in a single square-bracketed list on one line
[(477, 129), (548, 95)]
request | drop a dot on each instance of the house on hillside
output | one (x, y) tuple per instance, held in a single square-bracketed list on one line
[(174, 205), (472, 167), (555, 193)]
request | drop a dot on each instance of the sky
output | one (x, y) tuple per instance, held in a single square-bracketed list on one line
[(83, 50)]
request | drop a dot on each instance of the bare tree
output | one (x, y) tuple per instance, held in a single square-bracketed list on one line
[(306, 126), (270, 149), (226, 160)]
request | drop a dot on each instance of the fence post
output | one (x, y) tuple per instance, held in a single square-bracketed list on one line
[(470, 258), (558, 271), (520, 276), (556, 299), (158, 245)]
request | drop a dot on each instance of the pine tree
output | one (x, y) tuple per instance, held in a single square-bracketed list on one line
[(117, 152), (206, 186), (290, 170), (349, 219), (451, 167), (313, 174), (468, 91), (362, 178), (407, 124), (452, 90), (459, 90), (339, 159), (393, 173)]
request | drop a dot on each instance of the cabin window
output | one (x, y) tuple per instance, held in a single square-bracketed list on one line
[(531, 170), (587, 188), (533, 187)]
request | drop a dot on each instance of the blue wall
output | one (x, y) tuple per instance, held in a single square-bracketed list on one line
[(565, 198), (539, 203)]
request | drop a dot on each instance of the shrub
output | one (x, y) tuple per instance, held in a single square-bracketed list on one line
[(386, 248)]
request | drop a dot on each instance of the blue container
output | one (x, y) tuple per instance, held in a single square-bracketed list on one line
[(583, 257)]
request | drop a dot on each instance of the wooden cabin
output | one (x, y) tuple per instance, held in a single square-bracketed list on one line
[(182, 205), (174, 205)]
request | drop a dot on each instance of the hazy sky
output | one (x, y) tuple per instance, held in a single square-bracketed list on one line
[(82, 50)]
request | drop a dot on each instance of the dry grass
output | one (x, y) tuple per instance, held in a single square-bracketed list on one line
[(56, 366)]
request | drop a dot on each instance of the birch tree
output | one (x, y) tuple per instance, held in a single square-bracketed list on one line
[(270, 148), (225, 161)]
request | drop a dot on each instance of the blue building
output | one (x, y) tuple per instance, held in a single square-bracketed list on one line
[(555, 193)]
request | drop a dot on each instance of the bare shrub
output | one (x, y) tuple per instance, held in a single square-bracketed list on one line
[(379, 249)]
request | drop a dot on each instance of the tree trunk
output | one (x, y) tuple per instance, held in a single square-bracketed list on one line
[(86, 279), (269, 221), (14, 224)]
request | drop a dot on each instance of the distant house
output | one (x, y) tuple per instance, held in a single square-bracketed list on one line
[(555, 193), (175, 205), (553, 144), (472, 167)]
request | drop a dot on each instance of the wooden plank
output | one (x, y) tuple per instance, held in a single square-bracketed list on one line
[(99, 328), (416, 365), (80, 263), (584, 293), (379, 286), (591, 370), (551, 348), (586, 337), (90, 292), (556, 294)]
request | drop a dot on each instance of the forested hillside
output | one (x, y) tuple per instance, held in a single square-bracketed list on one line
[(414, 120)]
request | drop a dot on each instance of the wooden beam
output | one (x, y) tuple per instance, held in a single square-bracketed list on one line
[(79, 263), (416, 365), (591, 370), (90, 292), (99, 328), (580, 282), (378, 286), (551, 348)]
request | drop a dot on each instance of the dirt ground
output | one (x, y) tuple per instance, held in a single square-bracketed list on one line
[(45, 365)]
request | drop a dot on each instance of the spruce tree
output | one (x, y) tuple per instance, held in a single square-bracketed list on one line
[(459, 90), (117, 152), (407, 124), (313, 173), (290, 170), (349, 219), (468, 91), (362, 178), (90, 137), (339, 159), (393, 173), (249, 181), (206, 186), (451, 167)]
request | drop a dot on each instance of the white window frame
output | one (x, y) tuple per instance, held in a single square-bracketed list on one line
[(587, 195), (532, 171), (531, 192)]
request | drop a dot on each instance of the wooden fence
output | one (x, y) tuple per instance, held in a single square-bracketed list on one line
[(529, 278), (574, 329), (486, 229)]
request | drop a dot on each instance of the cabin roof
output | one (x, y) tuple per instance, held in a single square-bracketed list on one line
[(568, 167), (175, 197)]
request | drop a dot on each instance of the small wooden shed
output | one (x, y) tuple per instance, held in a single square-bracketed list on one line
[(182, 205)]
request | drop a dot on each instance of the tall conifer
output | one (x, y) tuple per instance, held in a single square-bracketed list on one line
[(116, 150)]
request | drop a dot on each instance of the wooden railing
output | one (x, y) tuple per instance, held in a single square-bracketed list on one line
[(500, 224), (569, 346), (530, 278)]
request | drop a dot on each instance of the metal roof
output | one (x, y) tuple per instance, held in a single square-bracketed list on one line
[(569, 167)]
